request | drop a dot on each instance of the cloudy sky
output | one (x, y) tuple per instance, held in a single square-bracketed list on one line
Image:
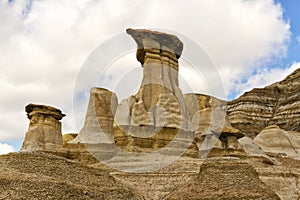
[(45, 43)]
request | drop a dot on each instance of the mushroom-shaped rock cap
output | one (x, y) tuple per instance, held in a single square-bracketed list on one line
[(230, 131), (147, 39), (33, 109)]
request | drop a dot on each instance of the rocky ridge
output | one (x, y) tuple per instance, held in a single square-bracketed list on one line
[(277, 104)]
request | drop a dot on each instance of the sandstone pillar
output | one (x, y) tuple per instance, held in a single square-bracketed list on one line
[(99, 118), (159, 101), (44, 132), (152, 117)]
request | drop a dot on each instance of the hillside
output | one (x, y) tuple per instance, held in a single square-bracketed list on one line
[(277, 104)]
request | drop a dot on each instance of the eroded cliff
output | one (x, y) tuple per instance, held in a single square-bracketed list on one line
[(277, 104)]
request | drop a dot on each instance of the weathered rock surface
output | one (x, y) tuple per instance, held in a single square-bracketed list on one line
[(95, 140), (158, 185), (214, 134), (200, 154), (196, 102), (37, 175), (159, 101), (276, 140), (98, 126), (68, 137), (41, 175), (250, 147), (225, 178), (277, 104), (44, 132), (152, 117), (282, 176)]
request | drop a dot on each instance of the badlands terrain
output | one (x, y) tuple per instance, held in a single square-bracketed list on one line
[(162, 144)]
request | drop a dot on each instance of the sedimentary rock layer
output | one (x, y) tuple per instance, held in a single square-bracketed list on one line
[(44, 132), (159, 101), (221, 178), (153, 116), (277, 104), (275, 140), (98, 126)]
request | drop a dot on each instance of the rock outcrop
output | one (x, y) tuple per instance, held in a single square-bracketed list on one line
[(251, 148), (225, 178), (40, 175), (159, 101), (98, 126), (277, 104), (68, 137), (44, 132), (282, 176), (276, 140), (173, 146), (214, 134), (96, 139), (152, 117)]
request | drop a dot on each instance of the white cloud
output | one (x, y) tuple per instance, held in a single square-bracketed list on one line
[(264, 77), (5, 148), (41, 52)]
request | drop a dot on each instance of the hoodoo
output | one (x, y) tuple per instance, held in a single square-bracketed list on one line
[(152, 117), (44, 132)]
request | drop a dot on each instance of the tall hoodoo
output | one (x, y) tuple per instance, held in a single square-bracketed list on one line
[(159, 103), (44, 132), (99, 117)]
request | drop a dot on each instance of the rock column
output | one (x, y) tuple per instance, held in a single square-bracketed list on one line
[(44, 132), (98, 126), (159, 101), (152, 117)]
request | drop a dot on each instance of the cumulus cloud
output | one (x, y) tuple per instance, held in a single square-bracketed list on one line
[(298, 38), (5, 148), (45, 43), (264, 77)]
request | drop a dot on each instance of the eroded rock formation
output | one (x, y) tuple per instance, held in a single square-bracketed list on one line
[(231, 166), (277, 104), (242, 182), (96, 139), (152, 117), (212, 127), (44, 132), (276, 140), (98, 126)]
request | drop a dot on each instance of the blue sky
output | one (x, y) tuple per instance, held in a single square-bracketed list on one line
[(292, 14), (253, 43)]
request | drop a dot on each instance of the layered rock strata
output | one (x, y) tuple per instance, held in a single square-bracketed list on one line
[(152, 117), (225, 178), (276, 140), (277, 104), (44, 132), (150, 120), (96, 138), (214, 134), (98, 126)]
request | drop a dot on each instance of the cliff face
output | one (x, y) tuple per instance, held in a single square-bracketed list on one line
[(277, 104)]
